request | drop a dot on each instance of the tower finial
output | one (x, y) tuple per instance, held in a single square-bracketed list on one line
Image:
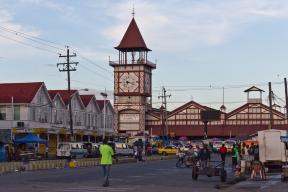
[(133, 11)]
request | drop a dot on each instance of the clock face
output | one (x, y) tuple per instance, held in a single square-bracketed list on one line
[(128, 82)]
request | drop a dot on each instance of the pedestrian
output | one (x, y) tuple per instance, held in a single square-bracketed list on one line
[(256, 153), (251, 149), (140, 149), (204, 156), (235, 156), (107, 153), (223, 153), (246, 150)]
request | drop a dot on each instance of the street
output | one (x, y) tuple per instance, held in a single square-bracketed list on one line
[(161, 175), (141, 176)]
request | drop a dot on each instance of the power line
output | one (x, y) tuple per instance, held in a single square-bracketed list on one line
[(31, 36), (41, 41), (99, 74), (27, 44), (210, 87), (93, 63)]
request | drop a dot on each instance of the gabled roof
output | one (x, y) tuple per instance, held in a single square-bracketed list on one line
[(100, 103), (187, 105), (132, 39), (253, 88), (86, 99), (52, 93), (21, 92), (63, 93), (241, 108)]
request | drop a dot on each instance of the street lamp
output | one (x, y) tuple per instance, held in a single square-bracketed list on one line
[(104, 95)]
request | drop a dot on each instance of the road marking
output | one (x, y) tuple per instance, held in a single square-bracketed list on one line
[(98, 189)]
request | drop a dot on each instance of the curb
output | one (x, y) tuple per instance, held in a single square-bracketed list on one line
[(10, 167)]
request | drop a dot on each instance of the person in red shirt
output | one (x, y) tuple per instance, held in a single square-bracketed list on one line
[(223, 152)]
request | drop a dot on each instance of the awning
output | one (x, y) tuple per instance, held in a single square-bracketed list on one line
[(30, 138)]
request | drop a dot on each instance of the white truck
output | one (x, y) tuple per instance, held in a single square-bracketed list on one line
[(271, 149)]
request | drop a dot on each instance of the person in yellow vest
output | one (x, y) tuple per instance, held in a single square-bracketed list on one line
[(106, 160)]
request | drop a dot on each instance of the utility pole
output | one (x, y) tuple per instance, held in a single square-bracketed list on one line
[(67, 67), (270, 106), (286, 97), (164, 102)]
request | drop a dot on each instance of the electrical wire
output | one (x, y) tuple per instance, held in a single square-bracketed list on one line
[(41, 41), (95, 72), (31, 36), (210, 87), (92, 62), (27, 44)]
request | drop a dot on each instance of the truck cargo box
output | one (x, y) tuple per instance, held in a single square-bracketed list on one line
[(271, 149)]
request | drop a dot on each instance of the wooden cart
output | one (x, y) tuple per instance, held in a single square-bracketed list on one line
[(213, 168)]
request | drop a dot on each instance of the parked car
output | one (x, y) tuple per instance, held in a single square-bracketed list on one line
[(71, 149), (122, 149), (167, 150), (92, 149)]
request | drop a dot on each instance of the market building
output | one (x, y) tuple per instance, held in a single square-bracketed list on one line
[(30, 107), (245, 120)]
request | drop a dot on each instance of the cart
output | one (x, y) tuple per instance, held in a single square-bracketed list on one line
[(213, 168), (284, 175)]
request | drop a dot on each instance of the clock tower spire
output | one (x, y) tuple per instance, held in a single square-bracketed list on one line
[(132, 81)]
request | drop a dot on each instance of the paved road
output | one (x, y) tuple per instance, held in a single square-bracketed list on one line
[(272, 184), (148, 176)]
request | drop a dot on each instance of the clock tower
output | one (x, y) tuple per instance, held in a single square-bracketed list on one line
[(132, 81)]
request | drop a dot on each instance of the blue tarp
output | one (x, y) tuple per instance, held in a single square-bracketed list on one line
[(2, 153), (284, 138), (30, 138)]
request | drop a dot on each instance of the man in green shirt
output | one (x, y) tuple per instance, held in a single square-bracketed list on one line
[(106, 160)]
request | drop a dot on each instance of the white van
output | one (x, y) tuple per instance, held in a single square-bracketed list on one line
[(67, 149)]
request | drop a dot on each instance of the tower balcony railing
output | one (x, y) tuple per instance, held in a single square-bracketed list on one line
[(133, 62)]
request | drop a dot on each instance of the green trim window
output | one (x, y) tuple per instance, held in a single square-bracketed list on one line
[(16, 109)]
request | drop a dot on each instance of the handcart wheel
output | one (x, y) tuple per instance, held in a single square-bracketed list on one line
[(194, 172), (223, 175)]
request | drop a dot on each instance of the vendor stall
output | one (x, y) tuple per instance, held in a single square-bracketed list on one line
[(28, 153)]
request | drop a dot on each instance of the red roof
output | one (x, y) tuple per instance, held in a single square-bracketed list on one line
[(21, 92), (63, 93), (52, 93), (86, 99), (132, 39), (100, 103)]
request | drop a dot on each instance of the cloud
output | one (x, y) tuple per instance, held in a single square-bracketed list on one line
[(7, 26), (65, 10), (187, 24)]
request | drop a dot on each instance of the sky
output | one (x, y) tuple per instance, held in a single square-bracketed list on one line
[(201, 47)]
